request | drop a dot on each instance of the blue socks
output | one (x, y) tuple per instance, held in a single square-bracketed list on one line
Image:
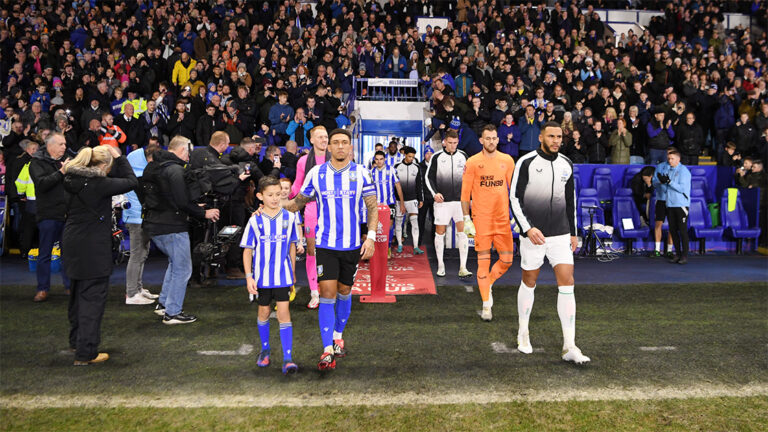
[(264, 334), (343, 309), (326, 317), (286, 340)]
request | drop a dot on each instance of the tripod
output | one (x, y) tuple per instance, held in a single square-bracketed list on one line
[(591, 240)]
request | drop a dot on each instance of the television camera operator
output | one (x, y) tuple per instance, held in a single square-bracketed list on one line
[(227, 180), (167, 211)]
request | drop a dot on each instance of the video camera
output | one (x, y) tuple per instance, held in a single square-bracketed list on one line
[(213, 252)]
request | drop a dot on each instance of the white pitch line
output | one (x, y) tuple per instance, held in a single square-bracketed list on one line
[(658, 348), (502, 348), (468, 288), (479, 396), (244, 349)]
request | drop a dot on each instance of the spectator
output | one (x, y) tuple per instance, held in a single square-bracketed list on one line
[(509, 136), (180, 123), (182, 68), (530, 129), (298, 129), (281, 114), (620, 142), (110, 134), (596, 140), (134, 130), (660, 136), (689, 138), (574, 149), (744, 135), (395, 66)]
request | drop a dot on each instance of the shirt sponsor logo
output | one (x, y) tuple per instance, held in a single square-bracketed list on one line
[(488, 181)]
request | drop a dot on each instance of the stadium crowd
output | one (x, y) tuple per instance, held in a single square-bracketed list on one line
[(138, 73)]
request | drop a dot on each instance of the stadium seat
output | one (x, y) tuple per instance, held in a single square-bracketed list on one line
[(588, 198), (699, 182), (601, 180), (700, 221), (628, 174), (736, 223), (576, 179), (624, 208)]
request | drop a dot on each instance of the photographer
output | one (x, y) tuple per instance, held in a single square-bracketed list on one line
[(166, 213), (225, 179), (90, 180)]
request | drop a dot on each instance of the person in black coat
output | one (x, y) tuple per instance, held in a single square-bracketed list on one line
[(87, 242), (209, 123), (135, 132), (689, 138), (47, 173), (181, 122)]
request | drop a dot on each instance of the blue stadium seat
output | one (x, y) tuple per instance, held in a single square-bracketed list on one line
[(699, 182), (628, 174), (700, 221), (735, 222), (624, 208), (576, 179), (601, 180)]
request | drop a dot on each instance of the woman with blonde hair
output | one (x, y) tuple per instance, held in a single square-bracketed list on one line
[(567, 125), (91, 179)]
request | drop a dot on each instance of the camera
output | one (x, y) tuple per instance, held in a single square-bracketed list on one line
[(213, 251)]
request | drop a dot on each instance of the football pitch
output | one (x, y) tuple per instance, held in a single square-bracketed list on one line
[(672, 357)]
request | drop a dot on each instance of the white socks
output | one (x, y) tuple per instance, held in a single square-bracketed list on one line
[(337, 335), (525, 297), (439, 247), (399, 230), (463, 244), (566, 309), (414, 229), (658, 246)]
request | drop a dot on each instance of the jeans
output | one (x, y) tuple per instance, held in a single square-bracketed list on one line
[(134, 272), (176, 247), (657, 156), (50, 233)]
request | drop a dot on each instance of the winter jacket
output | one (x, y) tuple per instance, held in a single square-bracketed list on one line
[(168, 175), (689, 139), (138, 162), (181, 72), (529, 133), (679, 187), (398, 70), (275, 118), (620, 146), (725, 116), (509, 146), (87, 238), (659, 138), (49, 186)]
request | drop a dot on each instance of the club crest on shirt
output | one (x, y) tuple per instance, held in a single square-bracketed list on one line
[(285, 224), (564, 176), (320, 270), (352, 177)]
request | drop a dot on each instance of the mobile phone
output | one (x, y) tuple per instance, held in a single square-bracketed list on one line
[(247, 168), (275, 158)]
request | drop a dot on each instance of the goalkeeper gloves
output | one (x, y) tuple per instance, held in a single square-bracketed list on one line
[(469, 226)]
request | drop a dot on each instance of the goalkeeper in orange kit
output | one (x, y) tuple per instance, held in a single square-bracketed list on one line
[(487, 176)]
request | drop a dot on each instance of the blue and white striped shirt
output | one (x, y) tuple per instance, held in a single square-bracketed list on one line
[(393, 160), (385, 180), (339, 195), (271, 238)]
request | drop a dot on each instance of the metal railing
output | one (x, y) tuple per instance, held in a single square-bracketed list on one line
[(388, 89)]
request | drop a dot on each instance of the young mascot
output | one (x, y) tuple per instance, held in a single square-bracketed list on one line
[(269, 243)]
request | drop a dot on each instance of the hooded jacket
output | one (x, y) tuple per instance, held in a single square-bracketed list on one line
[(87, 238)]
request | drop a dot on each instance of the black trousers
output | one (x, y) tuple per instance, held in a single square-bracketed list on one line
[(28, 234), (87, 300), (678, 228), (426, 209)]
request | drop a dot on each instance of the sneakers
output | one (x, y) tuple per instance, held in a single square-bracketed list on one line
[(181, 318), (263, 360), (338, 348), (674, 260), (327, 362), (655, 254), (290, 367), (524, 344), (314, 302), (441, 270), (682, 261), (145, 292), (486, 314), (417, 251), (399, 248), (138, 299), (573, 354), (100, 358), (40, 296), (464, 273), (160, 309), (670, 254)]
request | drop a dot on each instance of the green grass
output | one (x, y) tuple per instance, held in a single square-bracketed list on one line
[(423, 347), (710, 414)]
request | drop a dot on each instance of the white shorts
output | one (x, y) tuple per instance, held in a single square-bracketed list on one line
[(447, 211), (411, 207), (556, 249)]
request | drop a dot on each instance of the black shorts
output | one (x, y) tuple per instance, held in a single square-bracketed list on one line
[(336, 265), (392, 211), (266, 295), (660, 213)]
